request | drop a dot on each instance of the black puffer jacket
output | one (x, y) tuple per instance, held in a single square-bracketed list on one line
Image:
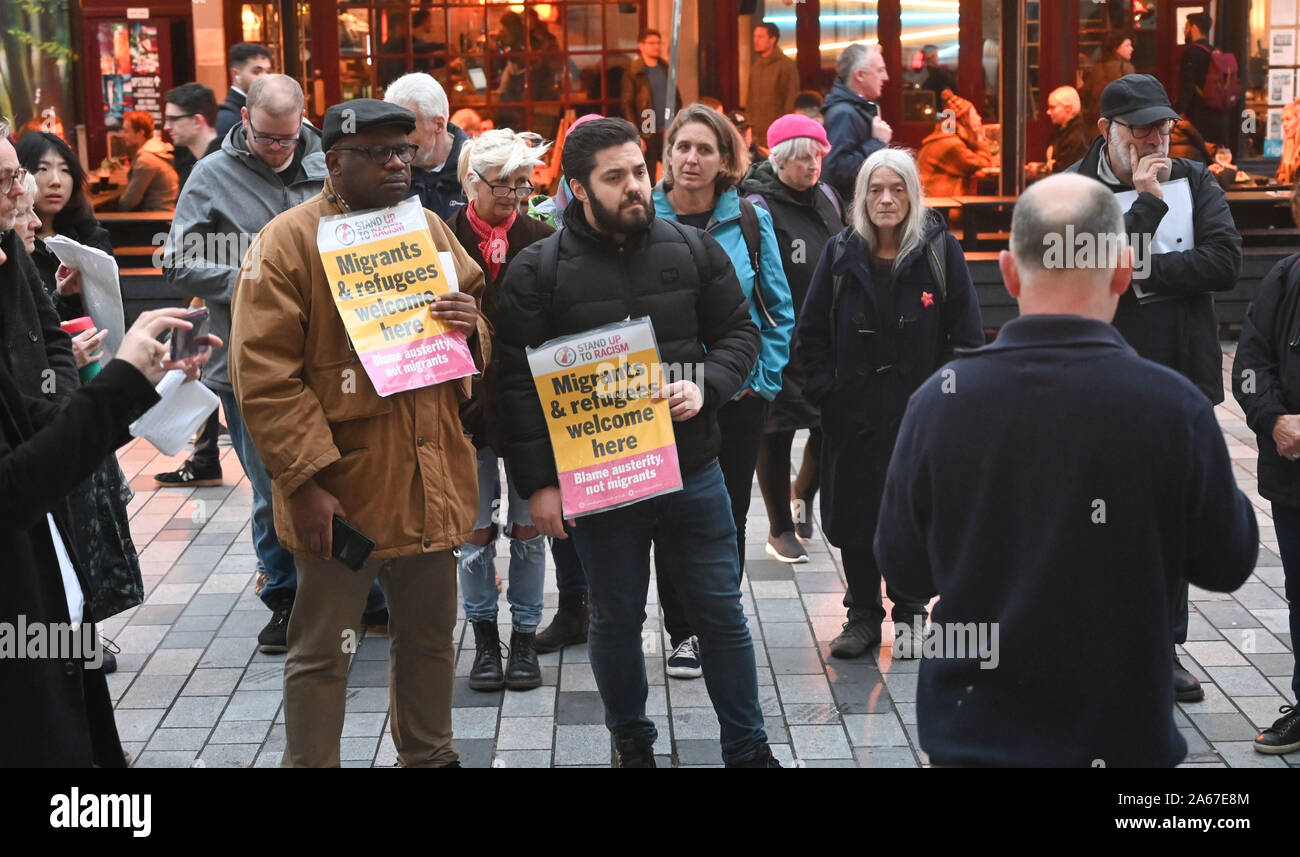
[(1180, 331), (1266, 374), (804, 221), (698, 310)]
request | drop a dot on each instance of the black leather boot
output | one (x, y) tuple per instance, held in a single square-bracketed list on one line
[(569, 627), (523, 672), (486, 673)]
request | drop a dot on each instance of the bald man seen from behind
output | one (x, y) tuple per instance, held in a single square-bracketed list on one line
[(1052, 488)]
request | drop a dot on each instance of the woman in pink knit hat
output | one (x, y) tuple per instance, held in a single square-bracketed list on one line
[(806, 213)]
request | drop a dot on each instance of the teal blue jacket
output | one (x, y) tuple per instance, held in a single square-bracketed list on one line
[(774, 346)]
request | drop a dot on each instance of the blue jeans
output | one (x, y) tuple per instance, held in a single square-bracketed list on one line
[(1286, 521), (694, 539), (276, 562), (527, 556)]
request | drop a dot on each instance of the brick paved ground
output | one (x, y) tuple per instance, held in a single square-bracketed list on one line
[(191, 687)]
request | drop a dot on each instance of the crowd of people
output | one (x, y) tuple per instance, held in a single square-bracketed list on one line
[(1064, 483)]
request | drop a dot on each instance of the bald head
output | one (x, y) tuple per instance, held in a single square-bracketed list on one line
[(1069, 252), (276, 95)]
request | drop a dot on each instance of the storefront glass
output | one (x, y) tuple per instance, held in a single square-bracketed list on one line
[(517, 64)]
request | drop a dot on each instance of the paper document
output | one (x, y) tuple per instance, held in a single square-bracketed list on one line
[(169, 424), (100, 290), (1176, 232)]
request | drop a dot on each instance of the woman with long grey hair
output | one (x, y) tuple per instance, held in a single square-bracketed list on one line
[(890, 300)]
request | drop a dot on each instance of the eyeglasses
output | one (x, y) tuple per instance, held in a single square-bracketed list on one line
[(380, 155), (277, 142), (173, 117), (502, 191), (9, 178), (1140, 132)]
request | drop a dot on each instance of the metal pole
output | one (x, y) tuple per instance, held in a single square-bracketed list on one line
[(672, 64)]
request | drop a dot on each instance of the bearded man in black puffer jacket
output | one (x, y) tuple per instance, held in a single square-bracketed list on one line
[(612, 261)]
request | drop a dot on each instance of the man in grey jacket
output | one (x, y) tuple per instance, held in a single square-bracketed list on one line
[(269, 163)]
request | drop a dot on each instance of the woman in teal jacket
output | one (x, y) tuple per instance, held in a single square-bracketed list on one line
[(704, 160)]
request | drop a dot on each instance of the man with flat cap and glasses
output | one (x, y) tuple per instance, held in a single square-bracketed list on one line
[(267, 165), (1168, 315), (398, 468)]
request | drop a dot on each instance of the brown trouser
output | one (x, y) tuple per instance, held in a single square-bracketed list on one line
[(421, 593)]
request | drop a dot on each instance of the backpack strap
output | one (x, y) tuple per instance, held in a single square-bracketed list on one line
[(830, 194), (749, 227), (936, 255), (548, 270)]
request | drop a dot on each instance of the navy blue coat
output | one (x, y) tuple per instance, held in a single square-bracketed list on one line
[(1062, 487), (888, 341), (848, 117)]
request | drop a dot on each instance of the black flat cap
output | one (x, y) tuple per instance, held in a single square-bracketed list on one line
[(1138, 99), (360, 114)]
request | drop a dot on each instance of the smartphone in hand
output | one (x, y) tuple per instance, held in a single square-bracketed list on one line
[(196, 340), (351, 547)]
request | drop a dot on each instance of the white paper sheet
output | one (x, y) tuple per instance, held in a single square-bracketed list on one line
[(1281, 50), (1176, 232), (1282, 13), (1281, 85), (169, 424), (100, 290)]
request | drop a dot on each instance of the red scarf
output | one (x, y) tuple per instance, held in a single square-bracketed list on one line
[(494, 244)]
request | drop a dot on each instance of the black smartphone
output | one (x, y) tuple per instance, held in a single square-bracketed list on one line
[(196, 340), (351, 547)]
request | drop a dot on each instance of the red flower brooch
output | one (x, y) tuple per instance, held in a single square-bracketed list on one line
[(927, 299)]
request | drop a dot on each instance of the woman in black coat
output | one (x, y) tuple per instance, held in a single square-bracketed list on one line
[(55, 712), (890, 300), (64, 208), (806, 212), (34, 343), (1266, 382)]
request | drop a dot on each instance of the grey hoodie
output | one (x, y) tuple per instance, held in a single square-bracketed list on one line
[(227, 200)]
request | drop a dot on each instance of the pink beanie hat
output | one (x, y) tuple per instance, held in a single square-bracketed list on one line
[(794, 125)]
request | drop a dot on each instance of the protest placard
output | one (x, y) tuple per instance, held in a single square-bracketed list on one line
[(613, 444), (385, 273)]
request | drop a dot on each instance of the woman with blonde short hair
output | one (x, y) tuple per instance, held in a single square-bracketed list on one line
[(495, 170)]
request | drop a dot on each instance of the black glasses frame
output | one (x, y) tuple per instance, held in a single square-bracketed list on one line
[(1165, 127), (504, 191), (380, 155)]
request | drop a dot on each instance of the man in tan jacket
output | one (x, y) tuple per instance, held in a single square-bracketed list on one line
[(399, 469), (773, 81)]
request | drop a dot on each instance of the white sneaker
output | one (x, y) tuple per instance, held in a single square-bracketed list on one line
[(684, 662), (909, 640), (786, 548)]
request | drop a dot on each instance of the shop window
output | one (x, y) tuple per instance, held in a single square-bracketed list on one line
[(519, 65), (1270, 74)]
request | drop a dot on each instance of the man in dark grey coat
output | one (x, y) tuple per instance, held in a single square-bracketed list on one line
[(1168, 315)]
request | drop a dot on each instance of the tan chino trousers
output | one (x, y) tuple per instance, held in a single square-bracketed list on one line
[(421, 594)]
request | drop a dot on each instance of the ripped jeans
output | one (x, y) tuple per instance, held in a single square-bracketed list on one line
[(527, 556)]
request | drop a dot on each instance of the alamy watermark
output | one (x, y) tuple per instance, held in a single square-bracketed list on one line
[(956, 640), (62, 641), (1071, 250)]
